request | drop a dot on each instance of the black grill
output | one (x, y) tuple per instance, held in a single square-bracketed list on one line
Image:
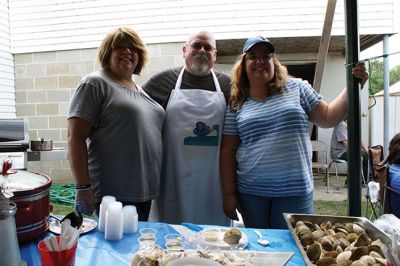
[(14, 135), (14, 141)]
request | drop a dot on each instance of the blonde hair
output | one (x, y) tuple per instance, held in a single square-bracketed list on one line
[(240, 84), (112, 40)]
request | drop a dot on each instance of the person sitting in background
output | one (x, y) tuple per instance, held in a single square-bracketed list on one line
[(393, 160), (114, 130), (339, 146)]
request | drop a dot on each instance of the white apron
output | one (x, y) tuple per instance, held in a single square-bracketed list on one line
[(190, 184)]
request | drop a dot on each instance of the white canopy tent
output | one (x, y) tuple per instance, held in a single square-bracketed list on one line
[(376, 114), (393, 90)]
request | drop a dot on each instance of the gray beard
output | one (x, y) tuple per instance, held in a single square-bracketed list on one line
[(199, 69), (199, 65)]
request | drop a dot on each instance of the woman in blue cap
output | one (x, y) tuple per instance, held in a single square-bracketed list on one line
[(266, 154)]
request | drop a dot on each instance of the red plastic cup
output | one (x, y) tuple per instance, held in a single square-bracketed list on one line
[(57, 258)]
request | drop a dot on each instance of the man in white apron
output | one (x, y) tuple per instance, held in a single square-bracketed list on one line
[(195, 106)]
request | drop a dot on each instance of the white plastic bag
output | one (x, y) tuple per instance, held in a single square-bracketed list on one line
[(373, 189)]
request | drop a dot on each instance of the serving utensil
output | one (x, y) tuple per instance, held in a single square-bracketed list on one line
[(75, 217), (261, 240)]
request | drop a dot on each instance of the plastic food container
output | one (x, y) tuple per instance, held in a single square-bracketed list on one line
[(148, 233), (173, 241)]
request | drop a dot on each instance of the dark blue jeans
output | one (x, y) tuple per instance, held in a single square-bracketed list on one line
[(266, 212)]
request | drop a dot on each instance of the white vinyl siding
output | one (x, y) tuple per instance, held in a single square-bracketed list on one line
[(76, 24), (7, 94)]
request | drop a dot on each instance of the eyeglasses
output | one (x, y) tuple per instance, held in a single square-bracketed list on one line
[(131, 49), (198, 46), (260, 57)]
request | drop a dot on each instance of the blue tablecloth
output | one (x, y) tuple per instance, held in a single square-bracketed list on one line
[(93, 249)]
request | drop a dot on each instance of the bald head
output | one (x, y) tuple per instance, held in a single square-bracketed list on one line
[(203, 34), (200, 53)]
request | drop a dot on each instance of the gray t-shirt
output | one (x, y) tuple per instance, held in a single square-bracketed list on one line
[(125, 144), (159, 86), (339, 135)]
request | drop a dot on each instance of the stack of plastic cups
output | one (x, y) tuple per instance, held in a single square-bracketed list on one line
[(105, 202), (130, 219), (114, 227)]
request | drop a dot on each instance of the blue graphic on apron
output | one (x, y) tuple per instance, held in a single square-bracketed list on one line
[(202, 130)]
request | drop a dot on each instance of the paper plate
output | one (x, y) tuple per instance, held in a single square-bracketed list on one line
[(87, 226), (219, 243)]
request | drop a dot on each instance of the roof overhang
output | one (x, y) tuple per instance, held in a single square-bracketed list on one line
[(298, 44)]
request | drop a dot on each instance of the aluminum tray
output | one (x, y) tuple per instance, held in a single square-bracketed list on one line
[(373, 232)]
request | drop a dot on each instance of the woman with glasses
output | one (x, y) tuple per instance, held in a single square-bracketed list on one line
[(265, 160), (114, 130)]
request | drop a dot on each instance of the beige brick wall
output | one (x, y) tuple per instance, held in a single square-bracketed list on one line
[(44, 85)]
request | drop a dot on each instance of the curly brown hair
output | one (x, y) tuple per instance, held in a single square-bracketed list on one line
[(394, 150), (240, 83), (114, 38)]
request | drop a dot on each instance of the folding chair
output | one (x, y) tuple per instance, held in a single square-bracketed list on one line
[(335, 162), (321, 147), (378, 171)]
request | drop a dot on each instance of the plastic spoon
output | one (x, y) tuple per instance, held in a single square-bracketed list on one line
[(73, 238), (64, 234), (49, 244), (261, 240)]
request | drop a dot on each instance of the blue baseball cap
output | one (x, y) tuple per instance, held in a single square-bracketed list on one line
[(256, 40)]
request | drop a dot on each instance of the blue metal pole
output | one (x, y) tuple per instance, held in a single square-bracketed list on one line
[(385, 95)]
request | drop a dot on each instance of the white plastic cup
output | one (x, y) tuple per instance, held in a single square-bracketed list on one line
[(114, 221), (173, 241), (130, 219), (148, 233), (105, 202), (146, 243)]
